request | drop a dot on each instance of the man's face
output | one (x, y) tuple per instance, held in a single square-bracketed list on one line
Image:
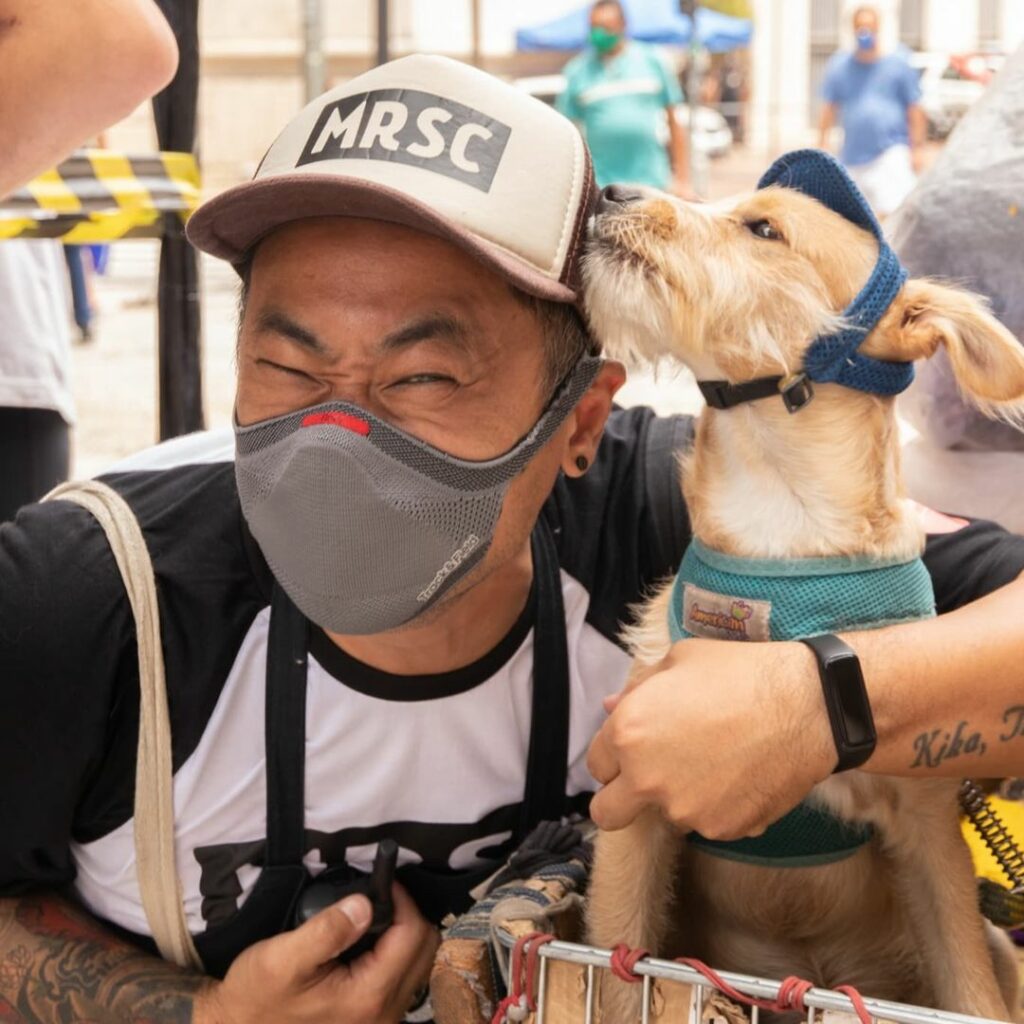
[(865, 21), (409, 328), (608, 17)]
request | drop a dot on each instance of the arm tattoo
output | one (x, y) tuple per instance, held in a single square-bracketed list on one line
[(935, 747), (58, 965), (939, 745), (1013, 719)]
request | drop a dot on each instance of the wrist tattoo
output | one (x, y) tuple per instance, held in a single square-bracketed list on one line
[(1013, 719), (935, 747), (57, 965), (938, 746)]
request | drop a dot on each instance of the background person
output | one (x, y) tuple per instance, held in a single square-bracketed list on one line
[(622, 95), (875, 96), (36, 407), (51, 101)]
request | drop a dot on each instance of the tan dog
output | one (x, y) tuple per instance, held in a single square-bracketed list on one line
[(737, 291)]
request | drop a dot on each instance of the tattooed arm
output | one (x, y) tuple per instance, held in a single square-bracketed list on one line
[(725, 737), (57, 964), (948, 693)]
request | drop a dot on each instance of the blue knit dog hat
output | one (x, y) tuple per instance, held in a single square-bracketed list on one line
[(833, 358)]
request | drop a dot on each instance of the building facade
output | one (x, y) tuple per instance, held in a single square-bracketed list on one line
[(252, 78)]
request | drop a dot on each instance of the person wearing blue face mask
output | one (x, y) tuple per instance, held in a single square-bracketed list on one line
[(621, 94), (876, 97)]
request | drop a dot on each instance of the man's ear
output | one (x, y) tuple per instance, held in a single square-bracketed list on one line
[(590, 416), (987, 361)]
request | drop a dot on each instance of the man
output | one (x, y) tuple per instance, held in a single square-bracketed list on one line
[(50, 102), (622, 95), (432, 508), (36, 407), (876, 97)]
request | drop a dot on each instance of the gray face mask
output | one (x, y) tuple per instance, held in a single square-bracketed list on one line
[(364, 526)]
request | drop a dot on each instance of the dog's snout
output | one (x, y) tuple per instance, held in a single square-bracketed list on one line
[(614, 196)]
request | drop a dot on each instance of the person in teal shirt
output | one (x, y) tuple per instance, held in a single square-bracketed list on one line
[(621, 93)]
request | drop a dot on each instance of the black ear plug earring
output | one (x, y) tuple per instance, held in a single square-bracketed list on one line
[(581, 463)]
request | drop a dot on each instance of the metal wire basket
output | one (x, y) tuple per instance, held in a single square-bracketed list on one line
[(575, 969)]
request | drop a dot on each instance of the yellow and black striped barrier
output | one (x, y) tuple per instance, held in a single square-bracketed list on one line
[(97, 195)]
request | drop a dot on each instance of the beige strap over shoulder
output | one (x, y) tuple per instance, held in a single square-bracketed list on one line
[(155, 863)]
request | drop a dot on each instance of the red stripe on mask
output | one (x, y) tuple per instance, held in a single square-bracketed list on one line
[(337, 419)]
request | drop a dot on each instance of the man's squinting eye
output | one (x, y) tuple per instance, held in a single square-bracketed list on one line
[(764, 229), (423, 378), (290, 370)]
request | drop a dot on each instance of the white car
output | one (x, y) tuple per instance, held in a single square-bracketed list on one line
[(713, 135), (946, 95)]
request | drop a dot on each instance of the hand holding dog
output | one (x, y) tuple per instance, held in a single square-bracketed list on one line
[(722, 737)]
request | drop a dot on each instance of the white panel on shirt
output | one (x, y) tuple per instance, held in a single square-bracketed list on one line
[(450, 760)]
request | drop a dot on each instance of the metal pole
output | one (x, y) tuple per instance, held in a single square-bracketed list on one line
[(698, 162), (313, 72), (383, 33), (474, 13)]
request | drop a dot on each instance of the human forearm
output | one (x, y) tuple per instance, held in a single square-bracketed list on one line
[(714, 714), (825, 123), (948, 693), (58, 964), (67, 71), (917, 125), (678, 148)]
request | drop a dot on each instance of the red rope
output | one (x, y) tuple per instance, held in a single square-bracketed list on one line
[(522, 975), (858, 1002), (624, 960), (791, 995)]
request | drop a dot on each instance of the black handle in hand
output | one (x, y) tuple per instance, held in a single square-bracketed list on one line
[(376, 887)]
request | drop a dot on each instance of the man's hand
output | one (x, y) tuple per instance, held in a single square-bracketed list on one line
[(294, 977), (917, 159), (723, 737)]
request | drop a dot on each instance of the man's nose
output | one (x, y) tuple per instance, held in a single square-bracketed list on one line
[(614, 197)]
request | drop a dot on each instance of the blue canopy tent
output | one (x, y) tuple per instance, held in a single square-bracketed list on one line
[(652, 21)]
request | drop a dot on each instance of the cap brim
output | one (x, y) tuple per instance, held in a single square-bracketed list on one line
[(232, 223)]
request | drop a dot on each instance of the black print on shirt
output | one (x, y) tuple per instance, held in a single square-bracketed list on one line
[(432, 846)]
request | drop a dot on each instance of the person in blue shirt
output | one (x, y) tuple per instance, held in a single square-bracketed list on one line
[(621, 94), (876, 97)]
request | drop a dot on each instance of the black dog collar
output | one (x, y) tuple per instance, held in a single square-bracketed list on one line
[(795, 391)]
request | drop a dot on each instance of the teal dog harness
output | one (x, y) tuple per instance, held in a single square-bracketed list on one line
[(722, 597)]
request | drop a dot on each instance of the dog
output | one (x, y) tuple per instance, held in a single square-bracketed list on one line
[(741, 290)]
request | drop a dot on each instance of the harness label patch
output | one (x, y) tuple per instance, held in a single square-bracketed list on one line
[(407, 126), (724, 617)]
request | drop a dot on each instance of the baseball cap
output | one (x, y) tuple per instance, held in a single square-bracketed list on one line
[(436, 145)]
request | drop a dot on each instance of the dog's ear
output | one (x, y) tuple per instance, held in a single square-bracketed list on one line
[(987, 361)]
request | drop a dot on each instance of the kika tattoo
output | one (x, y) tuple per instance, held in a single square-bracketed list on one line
[(58, 965), (938, 746)]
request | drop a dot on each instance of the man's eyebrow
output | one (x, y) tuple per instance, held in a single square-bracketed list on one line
[(433, 327), (280, 323)]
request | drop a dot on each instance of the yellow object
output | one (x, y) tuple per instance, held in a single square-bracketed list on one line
[(98, 195), (737, 8), (985, 865)]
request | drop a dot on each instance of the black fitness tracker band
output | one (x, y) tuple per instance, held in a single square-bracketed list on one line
[(846, 697)]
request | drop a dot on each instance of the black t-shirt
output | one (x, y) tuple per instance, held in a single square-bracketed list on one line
[(436, 762)]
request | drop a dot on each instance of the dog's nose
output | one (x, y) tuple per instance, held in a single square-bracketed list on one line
[(615, 196)]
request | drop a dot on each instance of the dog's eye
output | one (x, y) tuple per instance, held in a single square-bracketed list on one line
[(764, 229)]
